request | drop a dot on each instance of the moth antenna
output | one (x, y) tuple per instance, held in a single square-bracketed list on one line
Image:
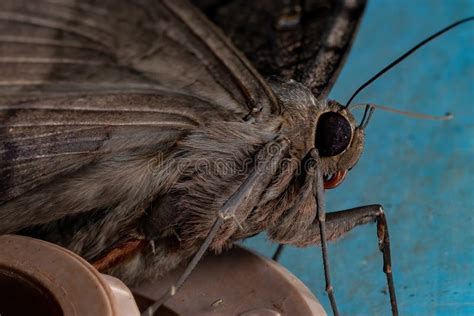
[(405, 55), (370, 108)]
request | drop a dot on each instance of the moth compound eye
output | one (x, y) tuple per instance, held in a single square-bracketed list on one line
[(333, 134)]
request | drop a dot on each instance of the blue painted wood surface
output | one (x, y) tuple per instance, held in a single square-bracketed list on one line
[(421, 171)]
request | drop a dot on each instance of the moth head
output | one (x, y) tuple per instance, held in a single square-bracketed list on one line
[(339, 141)]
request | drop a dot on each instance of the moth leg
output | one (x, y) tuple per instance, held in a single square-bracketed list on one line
[(341, 222), (241, 201), (277, 254), (321, 205)]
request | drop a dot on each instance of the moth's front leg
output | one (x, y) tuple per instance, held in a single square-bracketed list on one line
[(339, 223), (237, 207), (330, 226)]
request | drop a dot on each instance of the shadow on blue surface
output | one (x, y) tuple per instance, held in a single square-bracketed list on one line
[(421, 171)]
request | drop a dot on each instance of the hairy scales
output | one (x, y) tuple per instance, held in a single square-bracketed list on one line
[(106, 124)]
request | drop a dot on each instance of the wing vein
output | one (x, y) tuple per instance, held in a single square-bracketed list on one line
[(26, 19)]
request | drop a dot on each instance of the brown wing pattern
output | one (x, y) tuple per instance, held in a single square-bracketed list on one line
[(84, 79), (305, 40)]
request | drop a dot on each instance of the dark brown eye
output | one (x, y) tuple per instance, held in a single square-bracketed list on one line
[(333, 134)]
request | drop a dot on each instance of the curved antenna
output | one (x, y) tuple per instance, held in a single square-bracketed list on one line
[(405, 55), (370, 108)]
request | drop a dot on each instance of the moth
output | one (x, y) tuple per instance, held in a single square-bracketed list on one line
[(137, 135)]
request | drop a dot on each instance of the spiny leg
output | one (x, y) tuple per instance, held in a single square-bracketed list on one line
[(277, 254), (384, 246), (240, 202), (321, 205), (340, 222)]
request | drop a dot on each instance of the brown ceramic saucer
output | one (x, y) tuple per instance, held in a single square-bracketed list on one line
[(236, 282), (42, 279)]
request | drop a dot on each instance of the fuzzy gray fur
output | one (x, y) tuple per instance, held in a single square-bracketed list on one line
[(114, 152)]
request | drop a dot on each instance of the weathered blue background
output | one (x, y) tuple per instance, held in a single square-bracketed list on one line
[(421, 171)]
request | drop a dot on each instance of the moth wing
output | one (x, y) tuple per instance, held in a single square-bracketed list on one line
[(48, 138), (307, 41), (69, 46), (82, 80)]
